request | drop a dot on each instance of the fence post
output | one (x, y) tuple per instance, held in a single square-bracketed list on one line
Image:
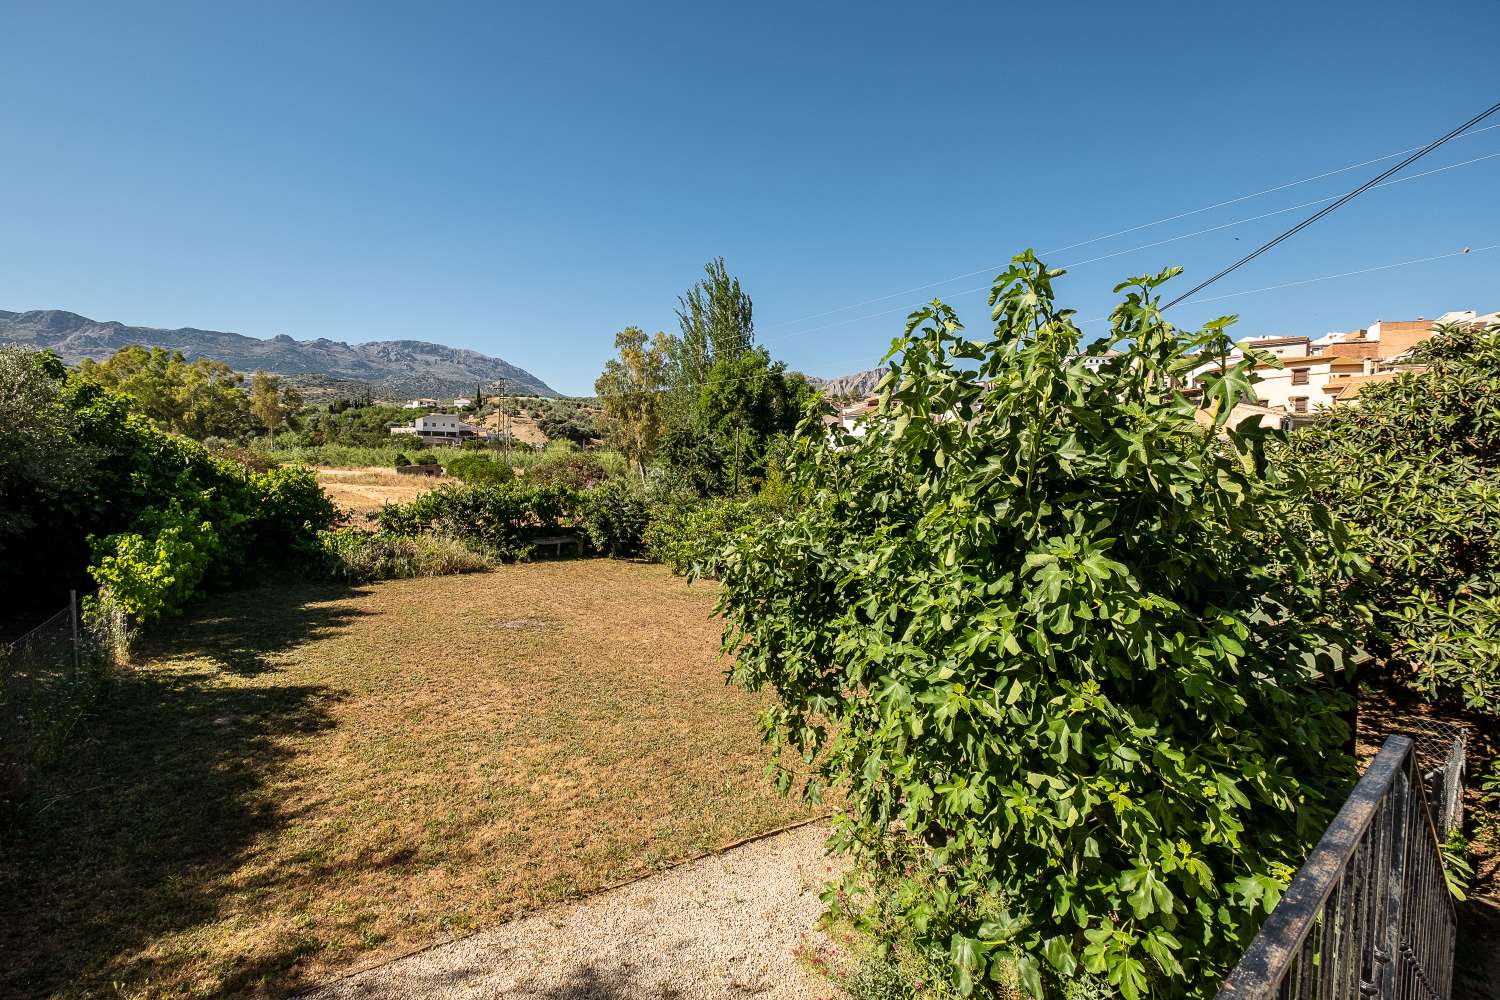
[(73, 614)]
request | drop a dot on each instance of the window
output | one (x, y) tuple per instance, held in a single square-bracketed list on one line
[(1262, 402), (1299, 404), (1299, 376)]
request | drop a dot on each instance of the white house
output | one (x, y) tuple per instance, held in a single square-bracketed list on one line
[(1302, 384), (422, 404), (461, 402), (438, 429)]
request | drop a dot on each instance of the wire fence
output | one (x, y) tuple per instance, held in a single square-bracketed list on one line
[(1442, 750), (1369, 914), (48, 679)]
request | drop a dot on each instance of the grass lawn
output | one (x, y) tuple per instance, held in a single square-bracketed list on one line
[(302, 777)]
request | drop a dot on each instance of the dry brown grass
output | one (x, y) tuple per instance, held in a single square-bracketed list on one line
[(305, 777), (363, 491)]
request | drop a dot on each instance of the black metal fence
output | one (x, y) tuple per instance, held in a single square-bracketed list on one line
[(1369, 914), (48, 679)]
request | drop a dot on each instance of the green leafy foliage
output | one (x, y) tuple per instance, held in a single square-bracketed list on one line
[(1414, 469), (615, 516), (200, 399), (289, 509), (1055, 631), (133, 504), (154, 570), (358, 425), (577, 470), (499, 520), (689, 534), (479, 469)]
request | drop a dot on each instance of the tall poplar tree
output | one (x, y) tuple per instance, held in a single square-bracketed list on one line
[(717, 322)]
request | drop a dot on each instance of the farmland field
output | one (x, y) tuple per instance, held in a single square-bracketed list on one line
[(363, 491), (302, 777)]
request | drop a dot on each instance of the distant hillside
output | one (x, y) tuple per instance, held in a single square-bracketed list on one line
[(391, 368), (855, 386)]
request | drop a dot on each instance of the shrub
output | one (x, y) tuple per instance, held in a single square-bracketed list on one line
[(290, 509), (688, 534), (479, 469), (576, 470), (1414, 469), (361, 557), (400, 460), (1055, 631), (615, 516), (500, 519), (155, 570), (252, 459)]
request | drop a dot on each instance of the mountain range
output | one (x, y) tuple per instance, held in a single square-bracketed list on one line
[(853, 386), (390, 368)]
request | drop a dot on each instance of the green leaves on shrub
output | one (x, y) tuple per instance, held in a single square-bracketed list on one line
[(689, 534), (1053, 635), (500, 519), (479, 469), (155, 570), (615, 516), (1414, 469)]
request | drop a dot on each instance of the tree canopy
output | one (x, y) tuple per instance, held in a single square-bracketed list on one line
[(631, 391), (199, 399), (1414, 470)]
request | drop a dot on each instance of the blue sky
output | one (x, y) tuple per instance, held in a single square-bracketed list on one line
[(526, 180)]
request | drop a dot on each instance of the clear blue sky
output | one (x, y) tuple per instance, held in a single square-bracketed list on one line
[(526, 180)]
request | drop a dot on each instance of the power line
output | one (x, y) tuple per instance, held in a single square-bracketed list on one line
[(1120, 232), (1434, 144), (1349, 274), (1157, 243)]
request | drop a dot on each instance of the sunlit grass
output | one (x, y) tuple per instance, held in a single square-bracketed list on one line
[(299, 778)]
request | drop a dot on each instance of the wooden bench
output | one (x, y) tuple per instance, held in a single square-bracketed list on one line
[(557, 542)]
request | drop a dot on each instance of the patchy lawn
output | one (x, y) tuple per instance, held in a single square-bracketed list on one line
[(299, 778)]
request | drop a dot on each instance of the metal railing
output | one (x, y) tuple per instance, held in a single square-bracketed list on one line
[(1369, 913)]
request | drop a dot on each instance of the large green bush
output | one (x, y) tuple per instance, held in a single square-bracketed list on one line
[(576, 470), (481, 469), (500, 520), (615, 517), (156, 569), (1053, 641), (137, 496), (688, 534), (1414, 469)]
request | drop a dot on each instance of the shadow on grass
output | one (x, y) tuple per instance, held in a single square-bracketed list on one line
[(242, 630), (165, 790)]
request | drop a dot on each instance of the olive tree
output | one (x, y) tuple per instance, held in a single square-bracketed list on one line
[(1045, 627)]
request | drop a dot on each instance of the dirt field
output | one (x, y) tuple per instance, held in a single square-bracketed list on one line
[(522, 428), (305, 776), (362, 491)]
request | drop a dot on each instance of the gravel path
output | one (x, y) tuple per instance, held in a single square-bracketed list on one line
[(727, 925)]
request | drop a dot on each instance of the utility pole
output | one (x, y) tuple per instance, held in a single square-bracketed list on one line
[(737, 458)]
